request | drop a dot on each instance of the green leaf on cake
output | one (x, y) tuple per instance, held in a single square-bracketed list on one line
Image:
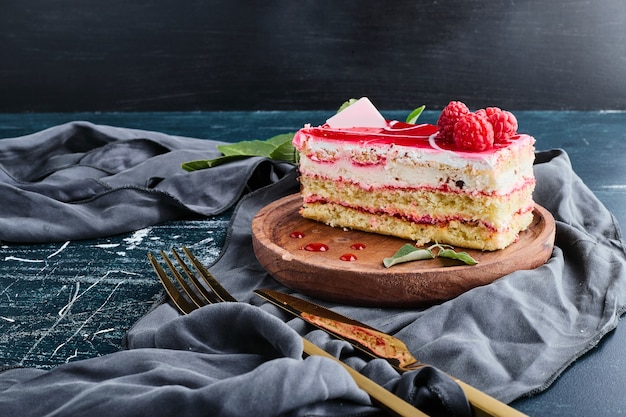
[(277, 147), (346, 104), (409, 253), (415, 114), (459, 256)]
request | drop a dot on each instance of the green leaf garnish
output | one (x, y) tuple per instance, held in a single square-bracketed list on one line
[(209, 163), (409, 253), (247, 148), (277, 147), (346, 104), (285, 152), (414, 115), (281, 139), (459, 256)]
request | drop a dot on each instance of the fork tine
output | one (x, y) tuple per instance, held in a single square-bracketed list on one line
[(209, 297), (199, 302), (213, 283), (177, 298)]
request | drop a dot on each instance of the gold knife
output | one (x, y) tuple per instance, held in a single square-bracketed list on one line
[(377, 345)]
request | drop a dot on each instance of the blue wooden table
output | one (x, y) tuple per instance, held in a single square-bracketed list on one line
[(73, 300)]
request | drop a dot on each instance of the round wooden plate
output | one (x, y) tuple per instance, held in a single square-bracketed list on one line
[(365, 281)]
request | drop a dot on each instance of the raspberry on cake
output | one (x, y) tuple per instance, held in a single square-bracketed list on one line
[(363, 172), (451, 114)]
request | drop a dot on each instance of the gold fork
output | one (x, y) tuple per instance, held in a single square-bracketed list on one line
[(188, 294)]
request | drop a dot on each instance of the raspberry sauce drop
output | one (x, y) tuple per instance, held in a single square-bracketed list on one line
[(358, 246), (296, 234), (348, 257), (316, 247)]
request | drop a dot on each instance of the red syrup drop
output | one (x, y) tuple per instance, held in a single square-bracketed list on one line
[(316, 247), (348, 257), (296, 234), (358, 246)]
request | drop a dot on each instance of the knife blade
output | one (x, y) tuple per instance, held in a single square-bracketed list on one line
[(363, 337), (377, 344)]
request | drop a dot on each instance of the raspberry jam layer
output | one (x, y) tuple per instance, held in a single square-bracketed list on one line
[(422, 136)]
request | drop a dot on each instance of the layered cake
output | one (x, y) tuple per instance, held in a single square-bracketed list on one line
[(467, 181)]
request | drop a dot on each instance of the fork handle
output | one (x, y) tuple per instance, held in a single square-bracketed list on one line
[(377, 393)]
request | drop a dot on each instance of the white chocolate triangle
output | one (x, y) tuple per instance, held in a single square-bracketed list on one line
[(360, 114)]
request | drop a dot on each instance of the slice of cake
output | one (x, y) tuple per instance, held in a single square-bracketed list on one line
[(467, 182)]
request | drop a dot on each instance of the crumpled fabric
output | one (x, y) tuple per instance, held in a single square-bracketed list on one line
[(85, 181), (228, 359), (510, 338), (198, 365)]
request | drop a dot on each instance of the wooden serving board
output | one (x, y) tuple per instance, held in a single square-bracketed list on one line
[(365, 281)]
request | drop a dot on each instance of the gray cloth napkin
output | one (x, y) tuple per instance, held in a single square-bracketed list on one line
[(84, 181), (510, 338), (197, 365), (80, 181), (228, 359)]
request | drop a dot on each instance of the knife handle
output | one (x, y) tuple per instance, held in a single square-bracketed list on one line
[(377, 393), (484, 405)]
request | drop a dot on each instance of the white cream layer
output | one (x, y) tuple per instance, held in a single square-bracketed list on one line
[(388, 165)]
